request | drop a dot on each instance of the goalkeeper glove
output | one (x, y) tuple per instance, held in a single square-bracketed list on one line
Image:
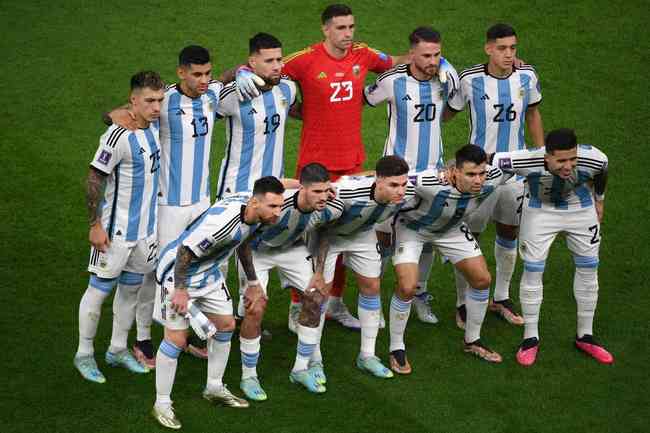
[(247, 83)]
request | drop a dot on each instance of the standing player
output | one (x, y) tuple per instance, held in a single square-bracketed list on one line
[(282, 246), (186, 122), (190, 270), (255, 127), (122, 197), (565, 194), (502, 99), (438, 219), (416, 99)]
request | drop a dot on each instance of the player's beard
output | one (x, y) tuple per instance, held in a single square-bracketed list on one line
[(270, 82), (429, 72)]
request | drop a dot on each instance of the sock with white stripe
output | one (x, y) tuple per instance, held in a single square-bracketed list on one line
[(316, 356), (369, 307), (90, 310), (124, 306), (585, 290), (307, 340), (144, 310), (505, 256), (476, 304), (218, 353), (530, 294), (166, 363), (398, 316), (250, 354), (462, 286)]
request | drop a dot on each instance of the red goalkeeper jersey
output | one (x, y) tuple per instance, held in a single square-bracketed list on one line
[(332, 98)]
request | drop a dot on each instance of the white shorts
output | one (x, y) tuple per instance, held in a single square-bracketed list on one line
[(539, 227), (503, 206), (173, 220), (294, 267), (215, 299), (359, 254), (456, 244), (139, 257)]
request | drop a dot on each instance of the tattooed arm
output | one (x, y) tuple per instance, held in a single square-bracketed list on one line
[(184, 257), (95, 185), (254, 294), (319, 246)]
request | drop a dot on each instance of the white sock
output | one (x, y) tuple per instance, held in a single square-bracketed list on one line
[(398, 317), (144, 310), (461, 287), (585, 290), (505, 255), (307, 340), (250, 354), (369, 307), (90, 310), (530, 294), (317, 356), (218, 353), (476, 304), (424, 268), (166, 363), (124, 306)]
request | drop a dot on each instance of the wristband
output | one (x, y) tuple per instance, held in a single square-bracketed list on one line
[(253, 283)]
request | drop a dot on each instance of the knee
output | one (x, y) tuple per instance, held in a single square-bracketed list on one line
[(370, 287), (256, 311), (481, 280), (177, 338), (226, 324), (407, 291)]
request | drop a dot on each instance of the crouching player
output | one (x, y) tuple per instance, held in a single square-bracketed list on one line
[(565, 194), (122, 198), (189, 271), (438, 219), (282, 246)]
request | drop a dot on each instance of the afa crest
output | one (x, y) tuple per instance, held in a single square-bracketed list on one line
[(356, 70)]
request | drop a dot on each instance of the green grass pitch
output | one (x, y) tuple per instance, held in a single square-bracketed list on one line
[(66, 62)]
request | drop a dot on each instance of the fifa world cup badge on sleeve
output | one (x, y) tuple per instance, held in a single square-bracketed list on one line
[(104, 157), (205, 244), (505, 163)]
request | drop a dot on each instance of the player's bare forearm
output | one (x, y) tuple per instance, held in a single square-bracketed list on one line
[(245, 255), (184, 257), (290, 183), (228, 75), (295, 110), (401, 59), (320, 248), (448, 114), (600, 185), (535, 126), (95, 185)]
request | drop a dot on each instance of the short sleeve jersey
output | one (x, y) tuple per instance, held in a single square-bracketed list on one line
[(131, 160), (440, 206), (548, 191), (332, 98), (254, 136), (414, 114), (497, 106), (185, 138)]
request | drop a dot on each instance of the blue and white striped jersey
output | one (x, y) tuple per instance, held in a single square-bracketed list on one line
[(497, 106), (414, 114), (212, 238), (361, 212), (185, 137), (131, 159), (254, 136), (439, 206), (294, 223), (544, 189)]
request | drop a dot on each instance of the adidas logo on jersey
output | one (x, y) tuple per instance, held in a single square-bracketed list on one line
[(406, 98), (485, 97), (179, 112), (142, 151), (253, 111)]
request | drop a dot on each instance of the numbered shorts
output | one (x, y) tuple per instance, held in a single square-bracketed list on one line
[(294, 267), (139, 257), (173, 220), (503, 206), (213, 299), (540, 226), (359, 254), (456, 244)]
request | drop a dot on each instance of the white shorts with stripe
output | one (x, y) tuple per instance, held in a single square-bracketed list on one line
[(139, 257)]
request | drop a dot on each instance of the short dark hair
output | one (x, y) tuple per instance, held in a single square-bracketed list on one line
[(499, 31), (560, 139), (391, 165), (424, 34), (262, 41), (267, 184), (193, 55), (470, 153), (335, 10), (313, 173), (146, 79)]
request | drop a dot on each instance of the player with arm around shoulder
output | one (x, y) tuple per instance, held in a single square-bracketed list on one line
[(122, 193), (503, 101), (565, 193)]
